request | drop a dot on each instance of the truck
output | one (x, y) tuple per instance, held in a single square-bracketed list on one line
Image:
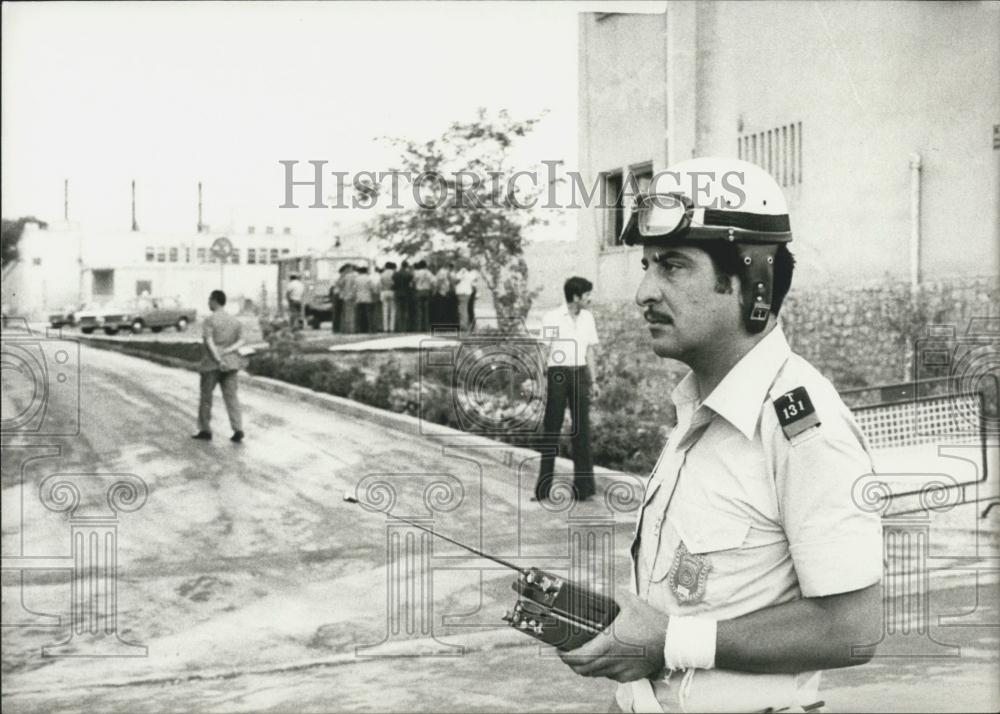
[(318, 273)]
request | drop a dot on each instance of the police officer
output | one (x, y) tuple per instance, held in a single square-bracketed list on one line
[(752, 566)]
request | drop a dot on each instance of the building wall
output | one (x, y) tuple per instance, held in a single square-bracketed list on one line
[(872, 83), (622, 123), (56, 267), (192, 284), (550, 264), (47, 273)]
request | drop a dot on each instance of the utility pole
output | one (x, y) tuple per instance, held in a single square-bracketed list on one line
[(201, 226), (135, 226)]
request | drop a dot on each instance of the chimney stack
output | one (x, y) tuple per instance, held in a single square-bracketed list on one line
[(201, 226), (135, 226)]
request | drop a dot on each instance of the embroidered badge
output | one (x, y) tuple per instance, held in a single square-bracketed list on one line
[(795, 412), (688, 575)]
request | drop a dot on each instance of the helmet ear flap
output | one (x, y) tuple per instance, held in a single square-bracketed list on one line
[(757, 278)]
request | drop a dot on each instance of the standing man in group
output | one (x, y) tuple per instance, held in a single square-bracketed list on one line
[(465, 285), (753, 566), (571, 334), (388, 297), (423, 286), (222, 339), (295, 292), (336, 303), (364, 296), (347, 288), (377, 321), (441, 292), (402, 288)]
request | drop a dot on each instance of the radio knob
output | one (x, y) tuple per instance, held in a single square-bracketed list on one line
[(529, 578)]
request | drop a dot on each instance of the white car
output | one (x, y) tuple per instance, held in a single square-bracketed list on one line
[(92, 316)]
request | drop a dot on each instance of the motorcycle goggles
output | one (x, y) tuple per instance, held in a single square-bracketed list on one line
[(659, 217)]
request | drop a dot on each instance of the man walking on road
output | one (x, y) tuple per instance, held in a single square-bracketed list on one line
[(223, 337), (572, 358)]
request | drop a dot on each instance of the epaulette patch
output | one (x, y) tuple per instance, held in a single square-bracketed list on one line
[(795, 412)]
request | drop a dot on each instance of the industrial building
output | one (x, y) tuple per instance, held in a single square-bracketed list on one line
[(64, 264)]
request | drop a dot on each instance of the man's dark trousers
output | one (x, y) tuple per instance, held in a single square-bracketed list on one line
[(337, 310), (567, 386)]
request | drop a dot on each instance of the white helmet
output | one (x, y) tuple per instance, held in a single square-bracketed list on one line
[(718, 199)]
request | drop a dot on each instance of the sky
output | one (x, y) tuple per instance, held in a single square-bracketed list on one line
[(173, 93)]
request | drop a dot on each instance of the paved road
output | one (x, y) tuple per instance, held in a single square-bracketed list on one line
[(251, 583)]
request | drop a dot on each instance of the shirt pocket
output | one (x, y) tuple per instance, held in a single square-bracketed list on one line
[(712, 540)]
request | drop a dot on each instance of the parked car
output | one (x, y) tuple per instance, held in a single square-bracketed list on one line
[(91, 316), (67, 317), (154, 313)]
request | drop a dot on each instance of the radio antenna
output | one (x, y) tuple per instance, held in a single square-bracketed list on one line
[(351, 499)]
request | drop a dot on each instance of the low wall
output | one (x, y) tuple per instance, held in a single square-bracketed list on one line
[(857, 337), (865, 336)]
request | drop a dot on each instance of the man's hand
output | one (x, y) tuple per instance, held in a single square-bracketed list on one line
[(632, 648)]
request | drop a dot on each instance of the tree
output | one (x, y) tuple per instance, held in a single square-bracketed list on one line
[(12, 231), (473, 210)]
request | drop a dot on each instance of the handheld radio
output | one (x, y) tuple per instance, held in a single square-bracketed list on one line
[(549, 608)]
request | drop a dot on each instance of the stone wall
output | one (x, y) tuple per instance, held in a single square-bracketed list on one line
[(864, 336), (856, 337)]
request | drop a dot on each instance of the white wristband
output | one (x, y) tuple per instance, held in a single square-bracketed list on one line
[(690, 643)]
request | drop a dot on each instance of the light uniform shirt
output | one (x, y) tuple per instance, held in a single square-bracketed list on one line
[(364, 290), (568, 336), (466, 281), (347, 286), (423, 279), (738, 517), (296, 289), (225, 331)]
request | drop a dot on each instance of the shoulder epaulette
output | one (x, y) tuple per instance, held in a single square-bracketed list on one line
[(796, 412)]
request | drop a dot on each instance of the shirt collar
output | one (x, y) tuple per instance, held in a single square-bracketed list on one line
[(738, 397)]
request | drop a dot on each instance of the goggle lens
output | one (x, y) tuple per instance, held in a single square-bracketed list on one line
[(661, 214)]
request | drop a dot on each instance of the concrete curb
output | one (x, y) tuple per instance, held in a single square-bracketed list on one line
[(446, 437), (125, 348), (446, 646)]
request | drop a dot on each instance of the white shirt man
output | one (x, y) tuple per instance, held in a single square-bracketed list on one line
[(295, 292), (296, 289), (464, 285), (571, 336)]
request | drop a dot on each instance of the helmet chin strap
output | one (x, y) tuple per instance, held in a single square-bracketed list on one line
[(757, 279)]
